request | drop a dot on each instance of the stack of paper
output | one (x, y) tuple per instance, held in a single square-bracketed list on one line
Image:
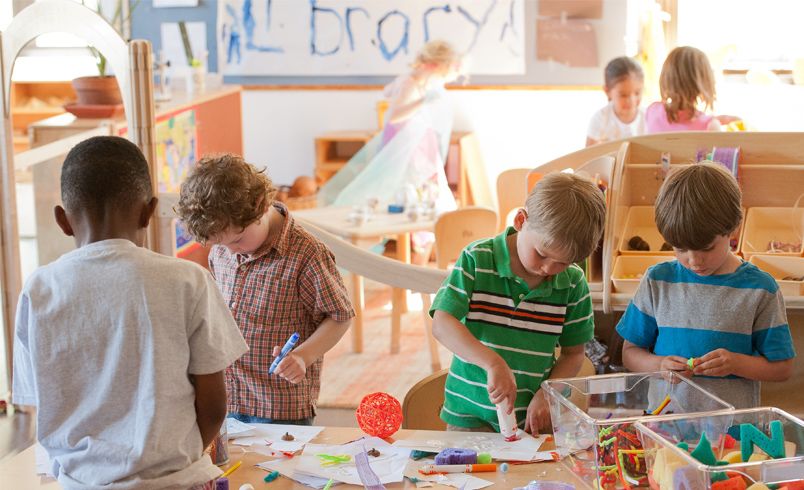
[(267, 438), (308, 469)]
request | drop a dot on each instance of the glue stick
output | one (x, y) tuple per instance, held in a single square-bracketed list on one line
[(507, 421)]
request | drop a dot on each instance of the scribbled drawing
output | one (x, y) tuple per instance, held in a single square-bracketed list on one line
[(176, 149), (365, 37), (249, 24), (426, 21), (315, 11), (479, 24), (349, 11), (233, 41), (510, 27), (403, 40)]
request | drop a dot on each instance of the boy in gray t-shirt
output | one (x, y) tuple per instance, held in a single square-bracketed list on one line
[(120, 349)]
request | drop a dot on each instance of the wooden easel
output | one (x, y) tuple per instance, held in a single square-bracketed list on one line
[(131, 62)]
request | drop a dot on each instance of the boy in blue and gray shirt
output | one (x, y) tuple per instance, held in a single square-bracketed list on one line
[(708, 305)]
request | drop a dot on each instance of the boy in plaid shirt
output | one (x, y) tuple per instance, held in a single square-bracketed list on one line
[(276, 278)]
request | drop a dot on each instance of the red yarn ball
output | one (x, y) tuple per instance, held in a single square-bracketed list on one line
[(379, 415)]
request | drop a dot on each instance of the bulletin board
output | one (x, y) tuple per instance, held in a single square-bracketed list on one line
[(564, 42)]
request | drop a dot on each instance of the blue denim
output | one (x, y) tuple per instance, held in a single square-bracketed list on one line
[(251, 419)]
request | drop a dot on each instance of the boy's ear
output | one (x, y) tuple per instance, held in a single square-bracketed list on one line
[(520, 218), (148, 212), (61, 219)]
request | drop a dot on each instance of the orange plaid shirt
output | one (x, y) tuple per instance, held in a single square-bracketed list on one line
[(289, 287)]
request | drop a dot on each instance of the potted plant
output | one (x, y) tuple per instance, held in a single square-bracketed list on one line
[(102, 89)]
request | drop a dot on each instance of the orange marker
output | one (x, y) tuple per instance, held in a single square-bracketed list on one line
[(432, 469)]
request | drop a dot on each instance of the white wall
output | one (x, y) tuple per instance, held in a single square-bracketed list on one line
[(515, 127)]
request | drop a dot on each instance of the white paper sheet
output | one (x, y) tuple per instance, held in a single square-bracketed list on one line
[(525, 449), (389, 466), (236, 428), (270, 435), (287, 468)]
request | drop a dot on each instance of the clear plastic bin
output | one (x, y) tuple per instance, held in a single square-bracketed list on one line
[(593, 421), (629, 269), (672, 468), (786, 271)]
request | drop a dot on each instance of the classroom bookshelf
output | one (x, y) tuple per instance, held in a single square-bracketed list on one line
[(771, 175)]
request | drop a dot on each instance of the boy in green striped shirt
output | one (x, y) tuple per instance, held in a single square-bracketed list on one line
[(512, 299)]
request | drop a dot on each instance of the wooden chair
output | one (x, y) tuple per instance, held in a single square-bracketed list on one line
[(512, 190), (421, 408), (457, 229)]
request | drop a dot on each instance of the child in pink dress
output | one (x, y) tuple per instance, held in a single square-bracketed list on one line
[(686, 82)]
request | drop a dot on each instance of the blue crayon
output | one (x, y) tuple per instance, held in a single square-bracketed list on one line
[(289, 345)]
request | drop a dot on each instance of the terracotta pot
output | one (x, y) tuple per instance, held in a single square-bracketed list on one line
[(97, 90)]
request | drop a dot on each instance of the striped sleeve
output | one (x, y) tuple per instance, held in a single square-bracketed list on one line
[(453, 296), (771, 333), (638, 325), (579, 320)]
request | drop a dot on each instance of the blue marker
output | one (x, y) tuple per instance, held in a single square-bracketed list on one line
[(289, 345)]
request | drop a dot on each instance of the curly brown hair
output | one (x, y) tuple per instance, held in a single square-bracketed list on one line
[(223, 191)]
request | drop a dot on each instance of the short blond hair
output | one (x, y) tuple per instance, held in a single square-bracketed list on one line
[(568, 213), (696, 204), (436, 52), (223, 191), (686, 79)]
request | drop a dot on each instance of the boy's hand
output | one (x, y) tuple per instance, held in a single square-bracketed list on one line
[(719, 362), (538, 415), (501, 384), (292, 367), (677, 364)]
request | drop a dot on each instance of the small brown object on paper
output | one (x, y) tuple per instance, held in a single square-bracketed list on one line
[(571, 42), (581, 9), (288, 437)]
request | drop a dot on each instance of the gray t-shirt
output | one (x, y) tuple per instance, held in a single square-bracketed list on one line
[(106, 340)]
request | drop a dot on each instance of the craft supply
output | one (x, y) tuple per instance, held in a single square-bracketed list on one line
[(368, 478), (288, 437), (289, 345), (703, 451), (246, 486), (379, 414), (751, 436), (271, 476), (454, 455), (484, 458), (219, 449), (691, 363), (329, 484), (333, 459), (507, 422), (232, 468), (396, 209), (504, 468), (416, 454), (374, 453), (662, 406), (222, 483), (432, 469)]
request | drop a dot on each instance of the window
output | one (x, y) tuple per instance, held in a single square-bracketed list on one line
[(743, 34)]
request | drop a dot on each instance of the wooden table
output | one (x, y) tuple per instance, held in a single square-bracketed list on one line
[(334, 220), (19, 471)]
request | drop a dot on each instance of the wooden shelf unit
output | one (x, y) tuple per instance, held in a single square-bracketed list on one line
[(52, 95), (771, 175)]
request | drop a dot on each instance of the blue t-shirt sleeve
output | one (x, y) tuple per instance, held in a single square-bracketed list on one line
[(638, 325), (771, 337)]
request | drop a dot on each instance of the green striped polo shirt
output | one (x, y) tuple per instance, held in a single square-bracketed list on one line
[(522, 325)]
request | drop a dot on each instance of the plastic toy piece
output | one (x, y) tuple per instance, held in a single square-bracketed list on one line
[(691, 363), (733, 483), (454, 455), (751, 436), (703, 452), (662, 406), (270, 477)]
